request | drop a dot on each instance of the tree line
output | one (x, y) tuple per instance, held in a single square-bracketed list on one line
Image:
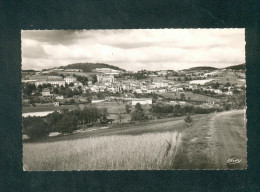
[(65, 121), (179, 110)]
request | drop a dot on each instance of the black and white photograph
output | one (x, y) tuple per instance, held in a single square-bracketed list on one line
[(134, 99)]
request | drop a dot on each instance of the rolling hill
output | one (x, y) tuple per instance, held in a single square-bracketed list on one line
[(88, 67), (237, 67), (201, 68), (234, 67)]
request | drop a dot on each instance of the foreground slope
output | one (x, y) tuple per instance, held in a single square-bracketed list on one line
[(212, 141), (207, 143), (230, 139)]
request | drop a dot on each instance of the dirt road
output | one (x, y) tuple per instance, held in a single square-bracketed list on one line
[(230, 140)]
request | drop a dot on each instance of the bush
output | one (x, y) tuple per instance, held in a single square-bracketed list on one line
[(138, 115), (127, 109), (188, 119), (36, 128)]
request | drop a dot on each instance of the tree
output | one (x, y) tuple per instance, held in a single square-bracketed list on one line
[(182, 96), (215, 85), (138, 107), (227, 84), (52, 119), (120, 116), (35, 128), (138, 114), (94, 79), (71, 84), (68, 92), (127, 109), (104, 114), (56, 90), (28, 89), (83, 80), (188, 119), (67, 124)]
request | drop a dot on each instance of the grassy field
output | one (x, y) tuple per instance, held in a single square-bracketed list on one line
[(192, 96), (212, 140), (142, 152), (153, 126), (195, 152), (231, 77), (157, 144), (48, 108), (113, 107)]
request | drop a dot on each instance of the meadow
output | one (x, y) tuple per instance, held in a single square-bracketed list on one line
[(125, 152), (154, 145), (192, 96), (47, 108)]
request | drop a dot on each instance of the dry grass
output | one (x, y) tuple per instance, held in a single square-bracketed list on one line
[(154, 145), (125, 152), (195, 151), (202, 146)]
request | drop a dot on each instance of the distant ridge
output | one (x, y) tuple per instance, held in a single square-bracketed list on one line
[(237, 67), (29, 70), (201, 68), (234, 67), (89, 67)]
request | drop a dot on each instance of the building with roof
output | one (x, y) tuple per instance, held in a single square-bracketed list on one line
[(46, 92), (202, 82), (107, 70), (73, 70), (105, 78), (162, 72), (70, 79), (142, 101), (53, 80)]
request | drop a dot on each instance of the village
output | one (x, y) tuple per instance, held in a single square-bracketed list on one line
[(148, 105), (205, 88)]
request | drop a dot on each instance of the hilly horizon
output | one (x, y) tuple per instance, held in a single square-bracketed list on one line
[(89, 67), (201, 68), (237, 67), (234, 67)]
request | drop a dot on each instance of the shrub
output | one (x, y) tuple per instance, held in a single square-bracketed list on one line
[(188, 119), (37, 128), (127, 109)]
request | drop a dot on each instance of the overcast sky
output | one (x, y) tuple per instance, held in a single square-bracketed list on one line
[(134, 50)]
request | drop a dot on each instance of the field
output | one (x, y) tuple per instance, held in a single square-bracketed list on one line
[(113, 107), (159, 144), (148, 151), (191, 95), (231, 77), (48, 108)]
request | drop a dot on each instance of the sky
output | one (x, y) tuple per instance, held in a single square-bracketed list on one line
[(135, 49)]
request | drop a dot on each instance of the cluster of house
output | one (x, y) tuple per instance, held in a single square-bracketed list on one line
[(107, 71), (106, 81), (52, 80), (60, 70)]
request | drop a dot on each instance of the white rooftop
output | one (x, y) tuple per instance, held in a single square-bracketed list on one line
[(201, 82)]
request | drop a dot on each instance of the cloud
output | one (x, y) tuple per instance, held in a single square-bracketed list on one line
[(134, 49)]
